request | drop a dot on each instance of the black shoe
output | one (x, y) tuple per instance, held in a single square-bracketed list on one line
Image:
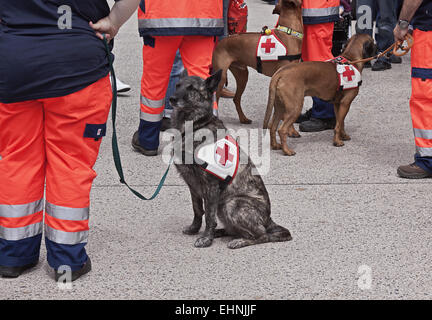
[(315, 125), (137, 147), (367, 65), (304, 116), (395, 59), (15, 272), (381, 65), (86, 268), (166, 124)]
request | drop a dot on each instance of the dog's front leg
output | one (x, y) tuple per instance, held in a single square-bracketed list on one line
[(211, 206), (339, 131), (197, 204)]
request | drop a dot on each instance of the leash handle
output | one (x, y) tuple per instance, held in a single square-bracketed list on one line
[(115, 148), (395, 46)]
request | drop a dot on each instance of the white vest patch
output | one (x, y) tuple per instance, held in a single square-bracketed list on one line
[(270, 48), (349, 76), (220, 159)]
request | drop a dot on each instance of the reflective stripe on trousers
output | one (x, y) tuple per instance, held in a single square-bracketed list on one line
[(66, 225), (421, 98), (22, 221)]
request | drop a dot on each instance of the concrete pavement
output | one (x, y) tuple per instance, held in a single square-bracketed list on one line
[(359, 231)]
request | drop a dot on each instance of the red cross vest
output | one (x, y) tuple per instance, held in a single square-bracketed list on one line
[(349, 76), (221, 159)]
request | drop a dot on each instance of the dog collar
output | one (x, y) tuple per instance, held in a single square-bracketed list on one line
[(290, 31)]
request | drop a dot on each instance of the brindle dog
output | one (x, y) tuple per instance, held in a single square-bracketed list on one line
[(238, 52), (243, 206), (290, 84)]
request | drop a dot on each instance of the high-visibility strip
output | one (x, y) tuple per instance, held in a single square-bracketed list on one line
[(423, 134), (154, 104), (180, 23), (20, 210), (320, 12), (66, 213), (66, 225), (151, 117), (424, 152), (15, 234), (21, 221), (62, 237)]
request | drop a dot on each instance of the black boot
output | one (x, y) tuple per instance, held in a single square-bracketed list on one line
[(315, 125), (381, 65), (136, 145), (304, 116), (86, 268), (15, 272)]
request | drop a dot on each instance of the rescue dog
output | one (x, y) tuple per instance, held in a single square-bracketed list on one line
[(291, 84), (238, 52), (243, 205)]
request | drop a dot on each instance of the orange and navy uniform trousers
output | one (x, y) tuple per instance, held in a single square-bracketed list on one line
[(319, 17), (52, 142), (189, 26), (421, 97)]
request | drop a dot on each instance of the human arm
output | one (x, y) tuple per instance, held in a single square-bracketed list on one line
[(120, 13), (409, 8)]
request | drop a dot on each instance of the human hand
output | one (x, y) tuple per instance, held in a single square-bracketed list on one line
[(105, 26), (399, 34)]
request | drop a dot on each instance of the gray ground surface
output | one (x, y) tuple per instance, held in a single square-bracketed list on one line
[(354, 222)]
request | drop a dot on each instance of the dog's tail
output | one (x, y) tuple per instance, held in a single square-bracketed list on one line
[(278, 233), (271, 99)]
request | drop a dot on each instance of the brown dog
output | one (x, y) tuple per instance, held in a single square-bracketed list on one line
[(237, 52), (292, 83)]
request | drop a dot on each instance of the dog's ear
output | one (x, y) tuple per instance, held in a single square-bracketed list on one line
[(184, 74), (212, 82), (277, 8), (369, 49)]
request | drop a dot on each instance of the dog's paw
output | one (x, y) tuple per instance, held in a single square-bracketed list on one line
[(237, 243), (191, 230), (245, 121), (338, 143), (345, 137), (288, 152), (203, 242), (276, 146)]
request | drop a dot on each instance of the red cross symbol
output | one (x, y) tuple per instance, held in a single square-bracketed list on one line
[(268, 45), (348, 73), (225, 155)]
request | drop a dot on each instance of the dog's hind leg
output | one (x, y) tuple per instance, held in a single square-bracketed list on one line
[(241, 75), (197, 205), (287, 126)]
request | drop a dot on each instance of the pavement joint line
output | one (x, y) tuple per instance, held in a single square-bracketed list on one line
[(283, 184)]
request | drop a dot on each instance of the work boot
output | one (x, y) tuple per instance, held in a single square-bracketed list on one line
[(395, 59), (413, 171), (86, 268), (136, 145), (381, 65), (166, 124), (15, 272), (367, 64), (315, 125), (304, 116)]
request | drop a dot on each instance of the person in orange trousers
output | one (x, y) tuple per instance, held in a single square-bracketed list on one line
[(419, 14), (319, 17), (166, 26), (53, 114)]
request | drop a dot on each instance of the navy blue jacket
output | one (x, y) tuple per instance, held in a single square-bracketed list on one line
[(40, 60)]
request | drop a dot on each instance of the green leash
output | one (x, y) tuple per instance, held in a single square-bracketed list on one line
[(115, 148)]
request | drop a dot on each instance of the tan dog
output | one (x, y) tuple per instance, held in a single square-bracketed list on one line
[(237, 52), (292, 83)]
